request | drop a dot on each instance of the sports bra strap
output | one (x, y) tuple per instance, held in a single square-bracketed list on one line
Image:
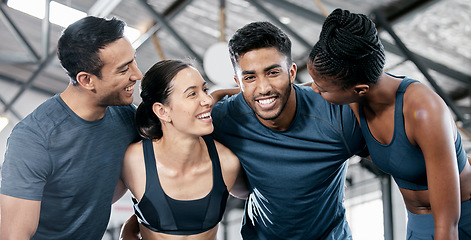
[(152, 177)]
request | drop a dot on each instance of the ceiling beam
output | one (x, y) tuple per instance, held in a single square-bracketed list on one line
[(275, 19), (299, 11), (168, 14), (102, 8), (15, 81), (164, 23), (46, 29), (160, 19), (11, 110), (17, 33), (384, 23), (445, 70), (44, 63), (399, 8)]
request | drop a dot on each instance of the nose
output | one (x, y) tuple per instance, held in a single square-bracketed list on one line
[(207, 100), (136, 73), (264, 85)]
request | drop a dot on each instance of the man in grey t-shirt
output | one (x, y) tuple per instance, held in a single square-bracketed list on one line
[(63, 161)]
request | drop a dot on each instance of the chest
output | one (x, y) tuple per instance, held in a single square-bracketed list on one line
[(382, 125)]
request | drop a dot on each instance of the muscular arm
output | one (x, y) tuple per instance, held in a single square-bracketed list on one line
[(133, 177), (19, 217), (429, 123), (233, 173)]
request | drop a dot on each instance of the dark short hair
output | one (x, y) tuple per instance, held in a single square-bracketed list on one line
[(348, 49), (79, 45), (257, 35), (156, 87)]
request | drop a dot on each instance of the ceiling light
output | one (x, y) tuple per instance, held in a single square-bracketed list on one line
[(285, 20), (60, 14), (3, 122)]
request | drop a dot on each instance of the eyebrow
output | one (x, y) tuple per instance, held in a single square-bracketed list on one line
[(265, 69), (125, 64), (193, 87)]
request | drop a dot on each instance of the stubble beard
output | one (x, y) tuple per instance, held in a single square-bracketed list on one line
[(283, 105)]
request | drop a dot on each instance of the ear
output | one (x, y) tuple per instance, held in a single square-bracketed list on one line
[(161, 111), (241, 86), (292, 72), (236, 80), (361, 89), (86, 80)]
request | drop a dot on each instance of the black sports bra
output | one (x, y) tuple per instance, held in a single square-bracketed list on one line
[(161, 213)]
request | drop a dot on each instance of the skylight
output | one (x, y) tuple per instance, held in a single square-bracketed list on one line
[(59, 14)]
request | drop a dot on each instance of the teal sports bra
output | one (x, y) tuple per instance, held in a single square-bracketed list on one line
[(403, 161)]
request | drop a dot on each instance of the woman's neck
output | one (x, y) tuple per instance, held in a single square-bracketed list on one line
[(179, 153), (382, 94)]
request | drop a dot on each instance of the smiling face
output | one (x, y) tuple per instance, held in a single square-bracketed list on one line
[(118, 75), (189, 107), (265, 78)]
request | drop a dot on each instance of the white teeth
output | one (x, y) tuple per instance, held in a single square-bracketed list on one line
[(266, 101), (128, 88), (204, 115)]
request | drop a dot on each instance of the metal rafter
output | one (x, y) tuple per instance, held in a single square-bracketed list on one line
[(380, 18), (168, 14), (300, 11), (160, 19), (46, 28), (102, 8), (164, 23), (275, 19), (466, 79), (44, 63), (11, 111), (17, 33)]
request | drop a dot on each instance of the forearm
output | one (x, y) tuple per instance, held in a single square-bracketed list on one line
[(446, 232), (220, 93)]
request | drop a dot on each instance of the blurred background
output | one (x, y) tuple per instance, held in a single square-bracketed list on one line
[(426, 40)]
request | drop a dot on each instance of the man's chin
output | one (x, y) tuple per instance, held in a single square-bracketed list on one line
[(267, 116)]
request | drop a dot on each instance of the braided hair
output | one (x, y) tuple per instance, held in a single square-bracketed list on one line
[(156, 86), (348, 49)]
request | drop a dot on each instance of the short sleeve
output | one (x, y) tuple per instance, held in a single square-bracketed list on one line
[(26, 165)]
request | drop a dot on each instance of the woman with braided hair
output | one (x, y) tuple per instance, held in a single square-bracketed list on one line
[(408, 128)]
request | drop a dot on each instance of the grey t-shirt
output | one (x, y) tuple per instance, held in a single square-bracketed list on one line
[(69, 164)]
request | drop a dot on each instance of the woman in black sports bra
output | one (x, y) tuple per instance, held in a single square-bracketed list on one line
[(179, 186)]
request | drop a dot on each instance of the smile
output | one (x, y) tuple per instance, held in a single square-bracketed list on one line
[(266, 101), (129, 88), (204, 115)]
